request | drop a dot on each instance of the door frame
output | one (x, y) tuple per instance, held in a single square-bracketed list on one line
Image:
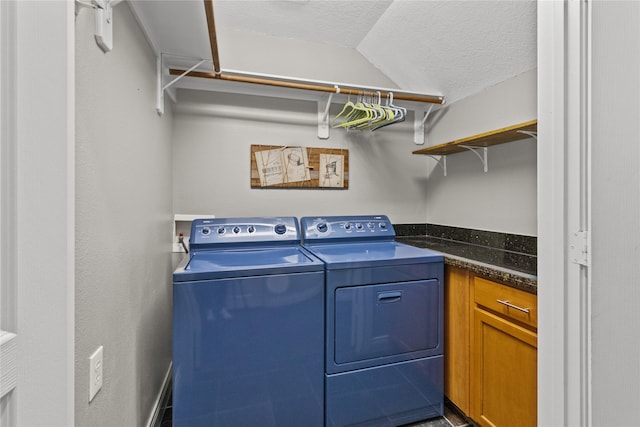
[(39, 207), (564, 187)]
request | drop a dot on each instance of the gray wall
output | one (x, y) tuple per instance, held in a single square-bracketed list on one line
[(212, 138), (123, 223), (504, 198), (213, 133)]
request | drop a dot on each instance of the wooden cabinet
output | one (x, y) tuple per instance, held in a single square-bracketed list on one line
[(456, 336), (503, 376), (490, 355)]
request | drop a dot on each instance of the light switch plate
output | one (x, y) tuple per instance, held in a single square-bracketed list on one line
[(95, 373)]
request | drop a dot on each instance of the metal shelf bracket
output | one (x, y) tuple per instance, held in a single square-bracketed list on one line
[(442, 162), (323, 115), (162, 88), (482, 157), (104, 23), (533, 135), (418, 125)]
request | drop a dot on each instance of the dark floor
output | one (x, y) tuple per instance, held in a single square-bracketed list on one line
[(452, 418)]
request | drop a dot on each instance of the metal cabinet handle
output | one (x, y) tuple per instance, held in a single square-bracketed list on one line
[(508, 304)]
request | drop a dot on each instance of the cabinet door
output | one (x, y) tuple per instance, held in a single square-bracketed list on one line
[(503, 372), (456, 337)]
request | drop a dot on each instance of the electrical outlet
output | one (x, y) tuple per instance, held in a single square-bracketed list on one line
[(95, 373)]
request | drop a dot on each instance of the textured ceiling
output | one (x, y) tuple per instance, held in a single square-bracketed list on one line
[(449, 47), (341, 23)]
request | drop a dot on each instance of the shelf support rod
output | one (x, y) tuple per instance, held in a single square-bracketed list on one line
[(213, 38), (442, 162), (418, 125), (168, 85), (483, 157)]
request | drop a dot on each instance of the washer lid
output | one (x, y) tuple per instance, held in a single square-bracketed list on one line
[(372, 254), (217, 264)]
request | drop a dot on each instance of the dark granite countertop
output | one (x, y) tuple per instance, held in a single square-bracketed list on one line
[(511, 268)]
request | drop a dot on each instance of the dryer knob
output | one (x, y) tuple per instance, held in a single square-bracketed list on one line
[(280, 229), (322, 227)]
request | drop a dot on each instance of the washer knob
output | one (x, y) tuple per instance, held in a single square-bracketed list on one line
[(322, 227), (206, 231), (221, 230), (251, 229), (358, 226), (371, 225), (236, 229), (347, 226), (383, 225), (280, 229)]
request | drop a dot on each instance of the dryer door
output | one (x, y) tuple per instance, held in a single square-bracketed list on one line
[(376, 324)]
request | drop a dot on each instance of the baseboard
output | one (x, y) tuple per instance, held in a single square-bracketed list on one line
[(155, 419)]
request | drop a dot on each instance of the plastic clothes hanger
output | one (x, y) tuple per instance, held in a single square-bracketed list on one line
[(378, 111), (360, 114), (400, 113), (348, 105)]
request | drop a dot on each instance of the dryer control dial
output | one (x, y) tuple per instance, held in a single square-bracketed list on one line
[(322, 227), (280, 229)]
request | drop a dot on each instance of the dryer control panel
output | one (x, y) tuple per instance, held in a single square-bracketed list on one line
[(339, 228), (229, 232)]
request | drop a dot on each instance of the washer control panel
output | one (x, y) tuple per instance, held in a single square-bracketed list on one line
[(215, 232), (333, 228)]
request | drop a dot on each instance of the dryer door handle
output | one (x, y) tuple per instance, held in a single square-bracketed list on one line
[(389, 296)]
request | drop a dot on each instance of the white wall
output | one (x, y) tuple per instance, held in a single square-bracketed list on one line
[(504, 198), (123, 223), (212, 161)]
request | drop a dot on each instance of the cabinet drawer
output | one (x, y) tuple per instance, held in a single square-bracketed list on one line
[(508, 302)]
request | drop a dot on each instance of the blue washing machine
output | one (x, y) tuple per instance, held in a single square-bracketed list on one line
[(384, 314), (248, 327)]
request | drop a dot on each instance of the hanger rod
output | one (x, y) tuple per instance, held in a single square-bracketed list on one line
[(310, 85), (213, 39)]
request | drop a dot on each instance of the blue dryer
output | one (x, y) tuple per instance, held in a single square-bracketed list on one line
[(384, 332), (248, 327)]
